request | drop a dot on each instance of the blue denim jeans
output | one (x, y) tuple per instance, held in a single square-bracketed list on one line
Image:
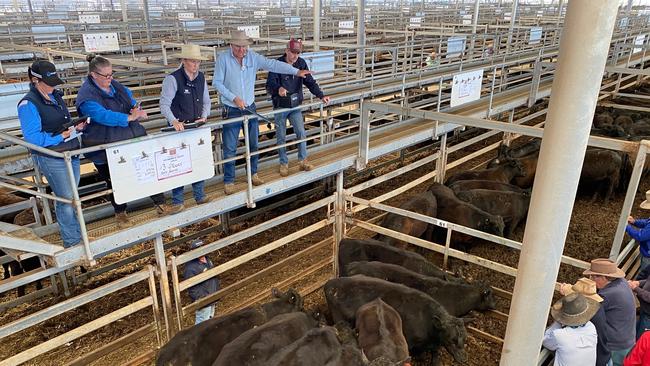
[(56, 174), (197, 189), (645, 261), (204, 314), (230, 136), (619, 356), (642, 324), (298, 123)]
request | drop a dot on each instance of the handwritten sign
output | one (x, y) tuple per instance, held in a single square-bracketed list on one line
[(89, 18), (252, 31), (101, 42), (183, 16), (466, 87), (259, 14), (415, 22), (173, 162)]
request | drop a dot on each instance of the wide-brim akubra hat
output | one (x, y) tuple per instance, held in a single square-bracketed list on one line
[(239, 38), (646, 204), (574, 309), (586, 287), (191, 52), (604, 267)]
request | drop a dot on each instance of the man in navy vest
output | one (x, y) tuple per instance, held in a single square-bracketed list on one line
[(185, 99), (286, 93)]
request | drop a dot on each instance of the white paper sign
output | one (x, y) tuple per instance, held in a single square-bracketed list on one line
[(638, 41), (101, 42), (89, 18), (252, 31), (346, 27), (292, 22), (259, 14), (623, 22), (535, 35), (540, 13), (416, 22), (455, 46), (173, 162), (467, 19), (182, 16), (466, 87), (322, 63), (507, 16)]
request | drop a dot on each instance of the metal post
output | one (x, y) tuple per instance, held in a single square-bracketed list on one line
[(124, 7), (250, 203), (147, 20), (581, 62), (630, 195), (177, 293), (513, 15), (339, 219), (77, 203), (474, 24), (317, 7), (155, 308), (38, 178), (159, 250), (364, 137), (441, 162), (297, 7), (361, 37)]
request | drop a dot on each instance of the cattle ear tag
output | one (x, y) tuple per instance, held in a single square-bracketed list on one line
[(122, 160), (201, 142)]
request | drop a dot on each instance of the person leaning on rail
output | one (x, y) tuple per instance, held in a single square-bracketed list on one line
[(639, 230), (115, 116), (195, 267), (286, 93), (43, 114), (185, 99), (234, 79)]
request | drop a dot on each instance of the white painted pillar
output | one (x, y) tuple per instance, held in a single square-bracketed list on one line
[(123, 6), (317, 10), (576, 85), (361, 35), (513, 16), (474, 23)]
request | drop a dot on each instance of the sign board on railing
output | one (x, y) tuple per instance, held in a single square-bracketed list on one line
[(535, 35), (346, 27), (252, 31), (193, 25), (183, 16), (368, 18), (160, 164), (259, 14), (292, 22), (49, 33), (466, 87), (415, 22), (623, 22), (455, 46), (101, 42), (89, 18), (322, 63), (540, 13), (507, 16), (467, 19), (639, 41)]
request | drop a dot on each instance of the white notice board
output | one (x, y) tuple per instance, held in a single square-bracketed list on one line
[(259, 14), (466, 87), (101, 42), (638, 41), (89, 18), (455, 46), (346, 27), (252, 31), (188, 15), (535, 35), (415, 22), (142, 168), (467, 19), (322, 63), (292, 22)]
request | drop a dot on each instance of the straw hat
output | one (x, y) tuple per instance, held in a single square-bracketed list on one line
[(604, 267), (586, 287), (574, 309), (191, 52), (239, 38), (646, 204)]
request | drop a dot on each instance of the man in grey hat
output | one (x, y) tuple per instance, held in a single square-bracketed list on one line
[(234, 77), (572, 336), (194, 267)]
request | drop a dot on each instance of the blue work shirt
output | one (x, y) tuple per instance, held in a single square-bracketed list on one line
[(30, 123), (641, 235), (103, 116), (234, 80)]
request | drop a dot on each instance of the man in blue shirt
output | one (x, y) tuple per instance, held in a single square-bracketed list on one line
[(234, 78), (639, 230)]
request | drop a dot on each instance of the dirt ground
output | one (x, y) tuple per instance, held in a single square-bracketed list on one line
[(591, 230)]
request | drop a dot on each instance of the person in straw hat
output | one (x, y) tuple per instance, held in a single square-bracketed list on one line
[(639, 230), (184, 99), (572, 336), (234, 78), (588, 288), (618, 305)]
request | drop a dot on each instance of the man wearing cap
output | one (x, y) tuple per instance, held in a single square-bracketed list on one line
[(618, 304), (639, 230), (43, 114), (572, 336), (587, 288), (234, 78), (194, 267), (286, 93), (185, 99)]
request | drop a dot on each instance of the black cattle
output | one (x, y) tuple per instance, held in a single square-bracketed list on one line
[(255, 346), (504, 172), (609, 131), (426, 324), (505, 152), (202, 343), (452, 209), (603, 118), (625, 122), (511, 206), (528, 165), (423, 203), (457, 298), (318, 347), (355, 250), (601, 167), (466, 185), (380, 332), (639, 129), (15, 268)]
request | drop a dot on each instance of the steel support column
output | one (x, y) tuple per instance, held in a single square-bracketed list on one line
[(147, 19), (581, 63), (474, 24), (161, 261), (361, 36), (317, 7), (513, 16)]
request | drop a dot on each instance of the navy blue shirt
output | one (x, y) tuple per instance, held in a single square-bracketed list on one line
[(620, 314), (205, 288), (292, 83)]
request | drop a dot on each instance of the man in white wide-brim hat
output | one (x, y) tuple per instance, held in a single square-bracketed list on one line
[(234, 77), (185, 99), (639, 230), (572, 336)]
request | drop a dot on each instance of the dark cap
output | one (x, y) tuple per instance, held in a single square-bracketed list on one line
[(295, 45), (46, 71), (196, 243)]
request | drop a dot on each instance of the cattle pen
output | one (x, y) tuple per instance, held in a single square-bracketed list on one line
[(392, 128)]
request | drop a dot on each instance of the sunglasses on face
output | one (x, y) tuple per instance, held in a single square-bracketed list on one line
[(107, 76)]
